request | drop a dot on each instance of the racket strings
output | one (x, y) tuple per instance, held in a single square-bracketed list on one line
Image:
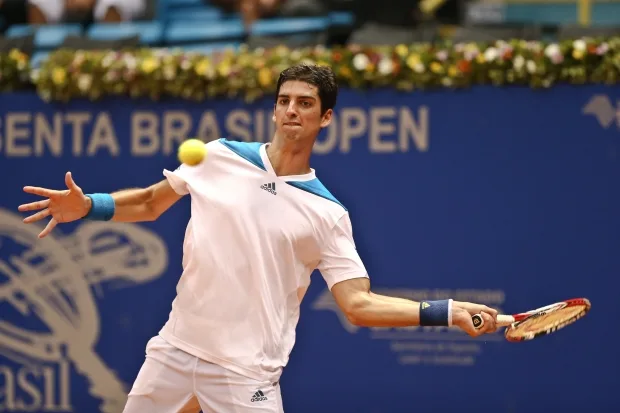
[(548, 321)]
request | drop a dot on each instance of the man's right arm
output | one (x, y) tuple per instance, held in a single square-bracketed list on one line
[(71, 204), (143, 204)]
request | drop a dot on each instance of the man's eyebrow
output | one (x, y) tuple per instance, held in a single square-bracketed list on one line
[(300, 96)]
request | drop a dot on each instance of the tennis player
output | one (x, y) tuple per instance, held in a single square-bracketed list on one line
[(261, 223)]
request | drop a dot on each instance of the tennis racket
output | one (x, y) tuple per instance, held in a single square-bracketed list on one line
[(539, 322)]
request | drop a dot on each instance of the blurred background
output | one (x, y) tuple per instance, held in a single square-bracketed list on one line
[(207, 25), (475, 144)]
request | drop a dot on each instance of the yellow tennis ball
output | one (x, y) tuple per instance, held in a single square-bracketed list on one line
[(192, 152)]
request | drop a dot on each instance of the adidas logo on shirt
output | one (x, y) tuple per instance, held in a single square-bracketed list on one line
[(270, 187), (259, 396)]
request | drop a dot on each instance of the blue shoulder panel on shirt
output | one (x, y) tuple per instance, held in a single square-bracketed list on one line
[(250, 151), (317, 188)]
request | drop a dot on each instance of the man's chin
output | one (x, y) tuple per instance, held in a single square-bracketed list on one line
[(292, 136)]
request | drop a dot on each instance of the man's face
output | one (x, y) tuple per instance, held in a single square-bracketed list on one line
[(297, 112)]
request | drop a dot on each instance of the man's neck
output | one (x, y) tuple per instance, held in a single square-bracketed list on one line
[(289, 158)]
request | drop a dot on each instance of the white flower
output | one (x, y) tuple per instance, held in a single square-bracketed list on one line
[(360, 61), (108, 59), (602, 49), (531, 66), (78, 58), (441, 55), (186, 64), (506, 48), (84, 82), (130, 62), (211, 73), (470, 55), (534, 46), (554, 53), (518, 62), (579, 45), (34, 75), (169, 72), (111, 76), (490, 54), (419, 68), (552, 50), (386, 66)]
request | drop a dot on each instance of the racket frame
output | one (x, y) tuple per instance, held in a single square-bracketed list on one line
[(513, 321)]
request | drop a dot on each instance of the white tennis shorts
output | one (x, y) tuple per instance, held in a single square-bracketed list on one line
[(173, 381)]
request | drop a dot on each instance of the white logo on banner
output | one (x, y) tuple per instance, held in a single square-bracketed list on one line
[(601, 107), (50, 280), (426, 345)]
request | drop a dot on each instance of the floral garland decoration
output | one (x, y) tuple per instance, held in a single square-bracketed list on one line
[(158, 73)]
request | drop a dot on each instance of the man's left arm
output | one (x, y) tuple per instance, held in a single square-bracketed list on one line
[(348, 281), (364, 308)]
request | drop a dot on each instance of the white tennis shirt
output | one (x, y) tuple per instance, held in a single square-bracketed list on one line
[(250, 246)]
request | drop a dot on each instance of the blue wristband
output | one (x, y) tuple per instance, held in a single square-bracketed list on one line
[(102, 208), (436, 313)]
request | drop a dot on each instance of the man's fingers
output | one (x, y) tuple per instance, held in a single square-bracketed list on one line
[(488, 325), (37, 217), (34, 205), (35, 190), (50, 226), (70, 182), (489, 319), (472, 331), (491, 311)]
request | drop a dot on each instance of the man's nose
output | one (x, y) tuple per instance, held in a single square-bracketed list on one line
[(291, 110)]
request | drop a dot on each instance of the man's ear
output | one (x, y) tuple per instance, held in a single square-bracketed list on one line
[(327, 118)]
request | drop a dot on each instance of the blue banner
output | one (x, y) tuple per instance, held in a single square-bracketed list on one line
[(508, 197)]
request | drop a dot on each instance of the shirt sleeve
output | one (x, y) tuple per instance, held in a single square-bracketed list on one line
[(178, 179), (181, 178), (340, 260)]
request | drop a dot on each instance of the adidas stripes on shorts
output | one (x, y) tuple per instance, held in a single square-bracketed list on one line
[(172, 380)]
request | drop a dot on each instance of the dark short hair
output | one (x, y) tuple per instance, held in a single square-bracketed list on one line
[(321, 77)]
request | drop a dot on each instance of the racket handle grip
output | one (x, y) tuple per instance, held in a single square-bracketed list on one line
[(477, 320), (502, 320)]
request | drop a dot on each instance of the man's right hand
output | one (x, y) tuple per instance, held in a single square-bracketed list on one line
[(462, 313), (64, 206)]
